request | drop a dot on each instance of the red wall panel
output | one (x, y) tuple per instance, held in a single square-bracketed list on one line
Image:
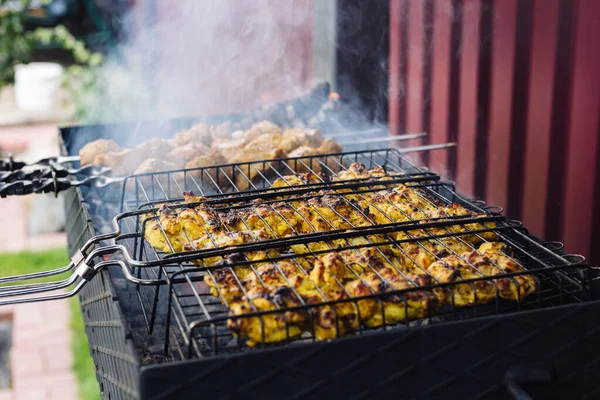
[(537, 151), (500, 104), (397, 77), (526, 120), (581, 135), (440, 86), (414, 73), (467, 128)]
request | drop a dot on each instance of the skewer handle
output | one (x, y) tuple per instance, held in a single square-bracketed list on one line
[(10, 164)]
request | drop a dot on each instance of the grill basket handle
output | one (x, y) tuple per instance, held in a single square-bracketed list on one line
[(518, 375), (82, 273)]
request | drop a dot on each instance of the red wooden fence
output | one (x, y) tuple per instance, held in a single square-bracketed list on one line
[(517, 84)]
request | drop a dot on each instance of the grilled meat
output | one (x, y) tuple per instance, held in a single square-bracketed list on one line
[(208, 174), (258, 129), (181, 155), (303, 165), (201, 133), (121, 161), (156, 148), (295, 138), (88, 153), (205, 146), (163, 230), (270, 328), (374, 280), (153, 165)]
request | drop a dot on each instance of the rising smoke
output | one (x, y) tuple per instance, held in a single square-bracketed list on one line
[(193, 58)]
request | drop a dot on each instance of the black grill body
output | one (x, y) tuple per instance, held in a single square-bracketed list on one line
[(550, 351), (554, 353)]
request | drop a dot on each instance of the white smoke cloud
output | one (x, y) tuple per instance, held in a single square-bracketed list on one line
[(206, 57)]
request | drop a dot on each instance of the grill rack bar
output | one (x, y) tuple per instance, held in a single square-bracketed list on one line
[(183, 325), (185, 333), (83, 264)]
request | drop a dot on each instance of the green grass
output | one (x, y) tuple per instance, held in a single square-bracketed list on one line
[(83, 365), (28, 262)]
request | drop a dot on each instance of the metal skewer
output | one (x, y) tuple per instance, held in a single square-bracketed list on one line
[(426, 147), (398, 138), (369, 132), (9, 164)]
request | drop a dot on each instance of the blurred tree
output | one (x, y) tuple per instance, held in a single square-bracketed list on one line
[(17, 44)]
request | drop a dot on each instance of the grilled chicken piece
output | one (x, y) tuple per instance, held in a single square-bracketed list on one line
[(359, 171), (183, 154), (297, 180), (199, 220), (163, 231), (341, 319), (342, 273), (398, 308), (297, 137), (207, 173), (154, 165), (454, 269), (208, 145), (227, 283), (280, 219), (258, 129), (304, 163), (122, 162), (511, 288), (201, 133), (180, 226), (156, 148), (220, 240), (266, 328), (263, 147), (329, 146), (385, 273), (228, 148), (483, 264), (158, 180), (88, 153), (307, 164)]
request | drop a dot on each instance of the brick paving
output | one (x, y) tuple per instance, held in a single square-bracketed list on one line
[(41, 354)]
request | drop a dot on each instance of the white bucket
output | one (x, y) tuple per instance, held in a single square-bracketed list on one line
[(36, 86)]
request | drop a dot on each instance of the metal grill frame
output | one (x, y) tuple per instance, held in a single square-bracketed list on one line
[(116, 361), (378, 364), (185, 335), (328, 362)]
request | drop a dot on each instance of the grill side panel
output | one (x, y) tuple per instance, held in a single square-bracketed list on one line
[(115, 360), (466, 359)]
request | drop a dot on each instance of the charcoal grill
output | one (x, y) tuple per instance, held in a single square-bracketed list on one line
[(165, 337)]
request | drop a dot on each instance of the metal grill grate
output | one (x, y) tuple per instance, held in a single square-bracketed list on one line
[(115, 359), (195, 321)]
